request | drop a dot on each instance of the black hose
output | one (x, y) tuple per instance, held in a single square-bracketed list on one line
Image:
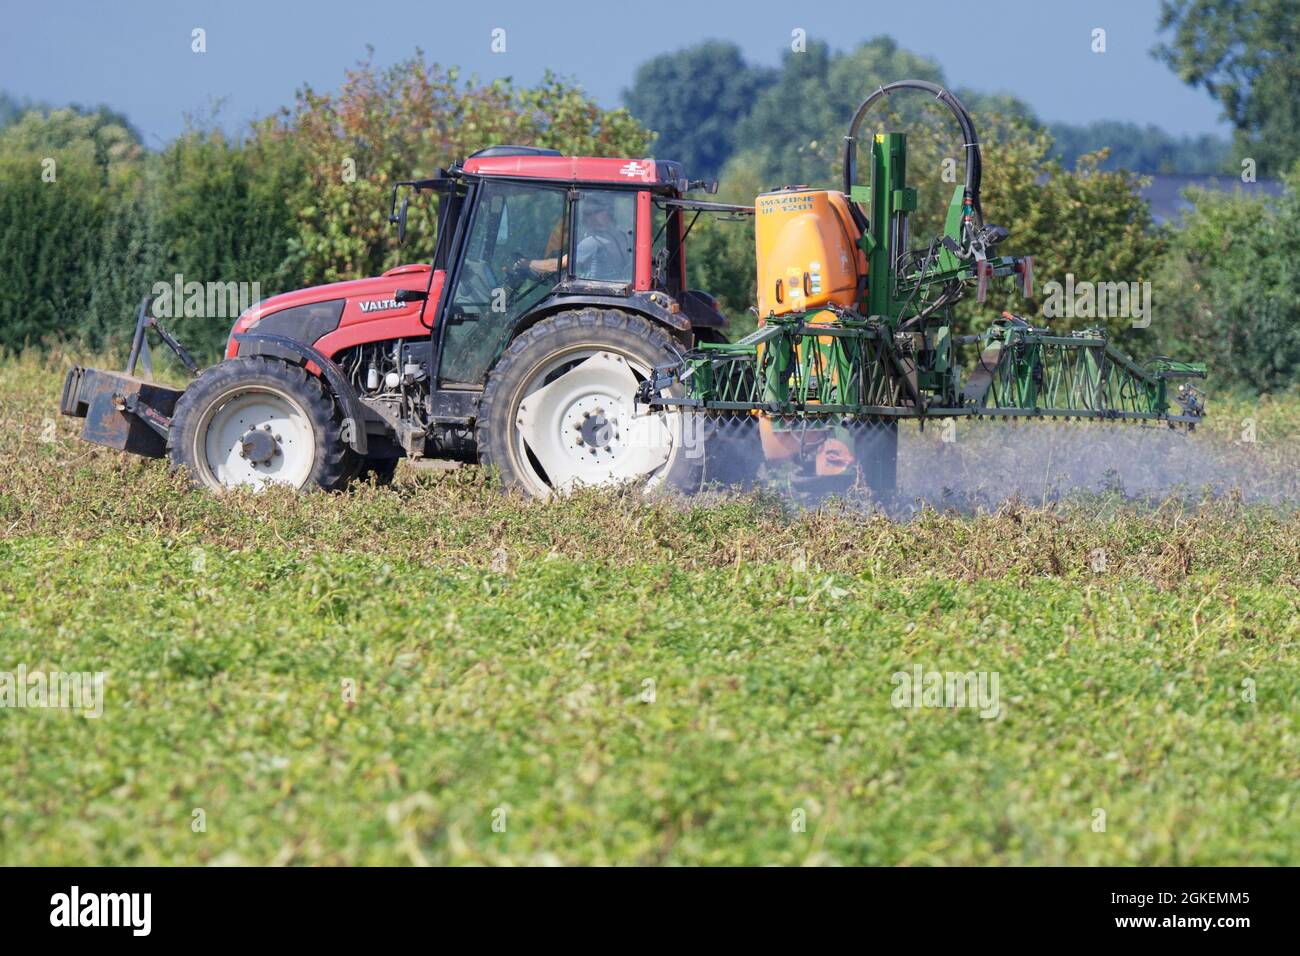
[(974, 170)]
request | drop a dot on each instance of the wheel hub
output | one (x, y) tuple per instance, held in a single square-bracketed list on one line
[(258, 445), (597, 429), (593, 426)]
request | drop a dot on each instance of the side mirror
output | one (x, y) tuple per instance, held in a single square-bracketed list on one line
[(710, 186), (401, 220)]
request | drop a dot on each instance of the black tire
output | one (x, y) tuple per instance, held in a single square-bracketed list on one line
[(333, 462), (631, 336)]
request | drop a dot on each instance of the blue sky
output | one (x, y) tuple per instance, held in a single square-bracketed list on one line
[(136, 57)]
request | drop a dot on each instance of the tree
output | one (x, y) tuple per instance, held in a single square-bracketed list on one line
[(222, 211), (63, 175), (51, 217), (402, 122), (1243, 53), (1086, 222), (693, 99), (794, 131), (100, 134), (1143, 149), (1226, 290)]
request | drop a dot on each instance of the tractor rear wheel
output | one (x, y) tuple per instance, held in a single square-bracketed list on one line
[(256, 422), (559, 409)]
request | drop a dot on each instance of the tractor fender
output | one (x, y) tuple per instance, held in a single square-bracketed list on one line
[(651, 305), (291, 350)]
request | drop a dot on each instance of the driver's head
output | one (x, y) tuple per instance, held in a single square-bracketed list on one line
[(598, 211)]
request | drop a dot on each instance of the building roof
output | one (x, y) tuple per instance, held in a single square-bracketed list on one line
[(1165, 193)]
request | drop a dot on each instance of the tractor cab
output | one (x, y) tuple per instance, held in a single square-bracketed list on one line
[(525, 232)]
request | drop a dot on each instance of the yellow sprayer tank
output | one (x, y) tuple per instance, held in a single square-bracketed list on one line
[(807, 250)]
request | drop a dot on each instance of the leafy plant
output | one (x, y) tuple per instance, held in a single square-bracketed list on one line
[(401, 123)]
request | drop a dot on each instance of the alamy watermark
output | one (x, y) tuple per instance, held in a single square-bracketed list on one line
[(55, 690), (1098, 300), (919, 688), (130, 910), (179, 299)]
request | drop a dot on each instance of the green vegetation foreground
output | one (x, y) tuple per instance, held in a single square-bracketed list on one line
[(610, 680)]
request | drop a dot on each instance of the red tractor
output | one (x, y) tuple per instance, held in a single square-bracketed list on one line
[(557, 286)]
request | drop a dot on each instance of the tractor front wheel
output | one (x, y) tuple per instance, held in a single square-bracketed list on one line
[(257, 422)]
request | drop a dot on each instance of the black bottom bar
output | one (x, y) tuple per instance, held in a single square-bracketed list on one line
[(1222, 907)]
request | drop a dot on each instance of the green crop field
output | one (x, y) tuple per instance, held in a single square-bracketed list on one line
[(437, 673)]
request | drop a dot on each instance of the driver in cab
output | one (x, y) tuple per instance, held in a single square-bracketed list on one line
[(603, 252)]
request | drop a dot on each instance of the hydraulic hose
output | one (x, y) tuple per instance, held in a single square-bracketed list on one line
[(971, 145)]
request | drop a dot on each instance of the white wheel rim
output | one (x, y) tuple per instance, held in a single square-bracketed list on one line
[(584, 427), (255, 436)]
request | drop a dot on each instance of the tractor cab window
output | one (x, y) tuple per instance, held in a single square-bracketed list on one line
[(665, 255), (658, 247), (515, 229), (604, 236)]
